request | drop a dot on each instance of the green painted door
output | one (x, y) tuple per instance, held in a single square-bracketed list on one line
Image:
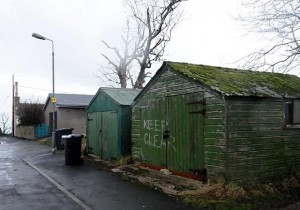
[(152, 127), (109, 136), (184, 126), (196, 111), (172, 129), (93, 135)]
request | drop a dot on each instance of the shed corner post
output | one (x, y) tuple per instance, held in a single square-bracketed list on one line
[(226, 110), (87, 130)]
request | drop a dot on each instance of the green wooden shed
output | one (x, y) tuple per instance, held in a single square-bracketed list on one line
[(205, 121), (109, 123)]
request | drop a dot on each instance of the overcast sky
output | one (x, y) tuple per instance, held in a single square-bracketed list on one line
[(208, 34)]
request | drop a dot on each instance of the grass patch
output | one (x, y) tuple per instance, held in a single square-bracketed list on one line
[(45, 141), (251, 196), (226, 204)]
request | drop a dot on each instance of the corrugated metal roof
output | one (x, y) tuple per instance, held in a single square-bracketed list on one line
[(122, 96), (72, 100), (235, 82)]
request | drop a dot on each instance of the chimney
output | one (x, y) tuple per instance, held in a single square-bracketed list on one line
[(16, 89), (16, 98)]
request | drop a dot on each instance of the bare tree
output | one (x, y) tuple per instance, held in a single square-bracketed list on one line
[(158, 19), (4, 118), (150, 29), (279, 22), (120, 62)]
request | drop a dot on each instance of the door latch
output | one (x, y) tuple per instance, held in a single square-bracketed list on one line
[(166, 134)]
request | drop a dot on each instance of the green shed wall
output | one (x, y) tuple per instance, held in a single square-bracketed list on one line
[(244, 138), (259, 147), (171, 83), (103, 103)]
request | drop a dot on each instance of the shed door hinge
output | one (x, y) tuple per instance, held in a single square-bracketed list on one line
[(203, 102), (145, 107), (198, 112)]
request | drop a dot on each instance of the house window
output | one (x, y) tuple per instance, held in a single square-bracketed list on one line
[(292, 113)]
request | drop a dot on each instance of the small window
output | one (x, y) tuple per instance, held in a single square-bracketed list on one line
[(292, 112), (296, 114)]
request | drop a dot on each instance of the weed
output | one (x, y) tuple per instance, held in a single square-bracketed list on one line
[(83, 146), (290, 182), (224, 204), (45, 141), (125, 177), (124, 161), (235, 191)]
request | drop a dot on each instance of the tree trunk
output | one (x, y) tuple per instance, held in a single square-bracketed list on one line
[(123, 82), (122, 75), (141, 78)]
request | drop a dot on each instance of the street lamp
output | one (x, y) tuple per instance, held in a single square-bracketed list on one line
[(53, 96)]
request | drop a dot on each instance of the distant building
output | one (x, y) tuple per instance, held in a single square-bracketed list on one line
[(69, 111)]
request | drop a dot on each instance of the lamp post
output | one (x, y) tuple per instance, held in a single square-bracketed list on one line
[(53, 99)]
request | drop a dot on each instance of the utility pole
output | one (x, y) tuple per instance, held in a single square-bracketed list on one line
[(53, 99), (13, 106)]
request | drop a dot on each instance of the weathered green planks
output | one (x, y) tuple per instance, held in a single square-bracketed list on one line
[(180, 104), (109, 123), (241, 138), (93, 134), (258, 145)]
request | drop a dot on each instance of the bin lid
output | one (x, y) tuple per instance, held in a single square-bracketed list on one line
[(70, 136), (65, 136)]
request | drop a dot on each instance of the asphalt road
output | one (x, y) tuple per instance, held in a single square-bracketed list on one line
[(22, 187), (31, 177)]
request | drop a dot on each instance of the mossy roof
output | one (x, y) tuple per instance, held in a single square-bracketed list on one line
[(235, 82)]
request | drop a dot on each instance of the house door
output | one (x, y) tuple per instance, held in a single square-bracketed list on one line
[(109, 135), (173, 132)]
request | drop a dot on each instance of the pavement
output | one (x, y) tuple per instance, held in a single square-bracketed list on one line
[(31, 177)]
